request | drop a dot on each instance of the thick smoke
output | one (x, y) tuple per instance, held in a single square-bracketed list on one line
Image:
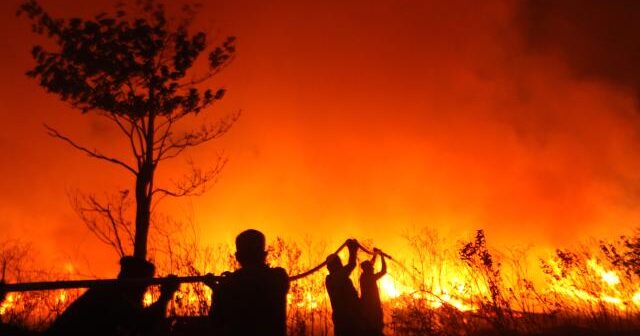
[(598, 39), (364, 118)]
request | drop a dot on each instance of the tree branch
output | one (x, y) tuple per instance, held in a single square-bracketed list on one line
[(92, 153), (194, 81), (129, 133), (193, 183), (175, 146), (106, 220)]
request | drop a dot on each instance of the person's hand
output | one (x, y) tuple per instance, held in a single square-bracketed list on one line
[(170, 287), (377, 251), (210, 280), (213, 281), (352, 245)]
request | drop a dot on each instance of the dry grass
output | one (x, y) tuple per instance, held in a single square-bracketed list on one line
[(438, 288)]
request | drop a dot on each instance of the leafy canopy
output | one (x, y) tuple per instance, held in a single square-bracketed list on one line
[(127, 65)]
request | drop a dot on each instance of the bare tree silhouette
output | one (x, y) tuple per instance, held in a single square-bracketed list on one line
[(131, 68)]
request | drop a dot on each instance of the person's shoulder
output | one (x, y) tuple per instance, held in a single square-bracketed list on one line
[(278, 270), (279, 279), (330, 279), (279, 273)]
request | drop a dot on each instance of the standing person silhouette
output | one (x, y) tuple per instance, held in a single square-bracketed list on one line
[(117, 310), (342, 294), (253, 299), (372, 316)]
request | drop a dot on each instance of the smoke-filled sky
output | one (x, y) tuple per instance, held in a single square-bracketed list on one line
[(366, 119)]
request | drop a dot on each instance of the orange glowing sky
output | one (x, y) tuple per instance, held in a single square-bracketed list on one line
[(366, 119)]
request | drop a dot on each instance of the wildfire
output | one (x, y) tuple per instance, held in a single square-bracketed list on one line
[(458, 303), (148, 299), (455, 295), (609, 277), (388, 288), (606, 289), (62, 297), (636, 298), (577, 283), (308, 301), (8, 303)]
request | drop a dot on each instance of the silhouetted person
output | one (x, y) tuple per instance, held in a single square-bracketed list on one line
[(372, 317), (342, 294), (117, 310), (253, 299)]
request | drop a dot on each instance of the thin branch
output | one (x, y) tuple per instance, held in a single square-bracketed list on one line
[(124, 224), (193, 184), (194, 81), (108, 213), (165, 135), (139, 135), (176, 146), (128, 132), (170, 119), (106, 220), (92, 153)]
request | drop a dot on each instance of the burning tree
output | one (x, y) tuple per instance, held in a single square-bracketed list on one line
[(131, 68)]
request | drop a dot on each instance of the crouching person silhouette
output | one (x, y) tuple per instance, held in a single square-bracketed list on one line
[(372, 316), (342, 294), (252, 300), (117, 310)]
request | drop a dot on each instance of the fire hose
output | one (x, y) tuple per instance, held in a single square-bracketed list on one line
[(68, 284)]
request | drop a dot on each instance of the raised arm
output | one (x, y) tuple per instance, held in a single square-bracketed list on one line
[(383, 270), (352, 245)]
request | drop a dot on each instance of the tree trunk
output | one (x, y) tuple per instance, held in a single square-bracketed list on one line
[(144, 193), (143, 213)]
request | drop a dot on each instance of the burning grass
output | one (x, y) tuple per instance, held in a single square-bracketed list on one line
[(437, 288)]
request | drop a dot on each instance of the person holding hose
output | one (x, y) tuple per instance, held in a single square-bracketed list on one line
[(370, 304), (347, 319)]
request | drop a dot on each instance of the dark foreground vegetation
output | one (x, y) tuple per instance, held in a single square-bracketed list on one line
[(436, 287)]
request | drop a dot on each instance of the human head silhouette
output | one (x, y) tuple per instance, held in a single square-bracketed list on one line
[(250, 248), (367, 267), (132, 268), (333, 263)]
